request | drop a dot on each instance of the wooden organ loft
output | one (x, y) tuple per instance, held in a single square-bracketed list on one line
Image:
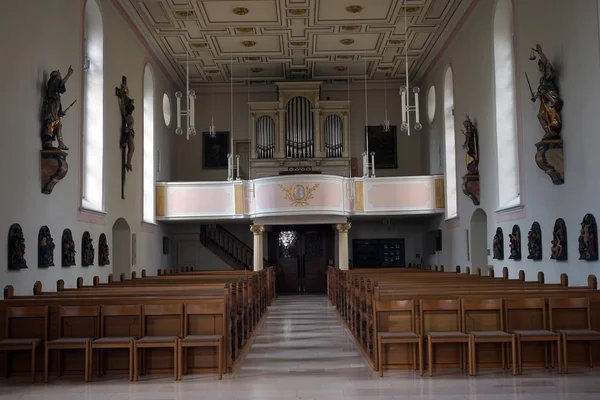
[(299, 133)]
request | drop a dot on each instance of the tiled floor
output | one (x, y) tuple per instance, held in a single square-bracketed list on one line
[(302, 351)]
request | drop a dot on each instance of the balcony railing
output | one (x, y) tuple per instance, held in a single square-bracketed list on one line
[(300, 195)]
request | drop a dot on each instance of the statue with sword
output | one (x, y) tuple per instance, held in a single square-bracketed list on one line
[(547, 92), (53, 111)]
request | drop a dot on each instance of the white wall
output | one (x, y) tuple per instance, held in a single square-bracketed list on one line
[(568, 33), (51, 38), (189, 160), (411, 230)]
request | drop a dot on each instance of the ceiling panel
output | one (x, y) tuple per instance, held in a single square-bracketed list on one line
[(294, 39)]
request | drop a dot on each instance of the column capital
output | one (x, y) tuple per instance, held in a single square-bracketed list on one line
[(343, 228), (257, 229)]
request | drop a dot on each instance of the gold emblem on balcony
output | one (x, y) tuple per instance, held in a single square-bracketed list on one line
[(299, 195), (347, 42)]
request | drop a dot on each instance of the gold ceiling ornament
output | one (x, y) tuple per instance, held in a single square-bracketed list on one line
[(396, 41), (256, 70), (412, 9), (298, 11), (347, 42), (298, 44), (350, 27), (185, 14), (199, 45), (354, 9), (248, 43), (299, 195), (252, 58), (240, 11), (245, 30), (340, 68), (212, 71), (345, 57)]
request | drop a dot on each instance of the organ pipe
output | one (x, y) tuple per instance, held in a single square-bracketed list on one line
[(265, 137), (334, 134), (299, 136)]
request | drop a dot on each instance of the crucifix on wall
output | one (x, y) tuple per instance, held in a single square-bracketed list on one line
[(126, 108)]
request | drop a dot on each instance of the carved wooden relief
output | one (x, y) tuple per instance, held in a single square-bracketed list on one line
[(588, 239), (498, 244), (16, 248), (45, 248), (515, 243), (87, 250), (559, 241), (534, 242)]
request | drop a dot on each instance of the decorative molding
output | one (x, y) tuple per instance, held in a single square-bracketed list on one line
[(160, 201), (53, 168), (359, 196), (440, 200), (238, 192), (550, 159)]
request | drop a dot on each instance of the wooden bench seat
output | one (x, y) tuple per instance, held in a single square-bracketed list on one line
[(356, 293)]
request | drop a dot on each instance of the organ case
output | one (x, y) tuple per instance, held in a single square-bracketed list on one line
[(299, 130)]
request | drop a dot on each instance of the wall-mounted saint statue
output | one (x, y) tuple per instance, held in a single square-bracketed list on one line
[(471, 145), (103, 256), (16, 247), (498, 244), (470, 185), (515, 243), (559, 241), (45, 248), (547, 93), (126, 141), (588, 239), (87, 250), (68, 249), (127, 133), (534, 242), (53, 110)]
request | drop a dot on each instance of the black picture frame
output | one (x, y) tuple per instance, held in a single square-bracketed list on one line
[(215, 150), (385, 146)]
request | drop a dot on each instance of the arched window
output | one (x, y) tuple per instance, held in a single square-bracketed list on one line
[(148, 180), (507, 147), (449, 140), (93, 113)]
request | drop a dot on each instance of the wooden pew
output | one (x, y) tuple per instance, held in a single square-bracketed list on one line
[(244, 297), (353, 293)]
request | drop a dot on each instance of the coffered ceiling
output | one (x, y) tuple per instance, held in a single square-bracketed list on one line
[(273, 40)]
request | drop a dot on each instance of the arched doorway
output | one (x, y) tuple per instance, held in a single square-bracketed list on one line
[(121, 248), (478, 239)]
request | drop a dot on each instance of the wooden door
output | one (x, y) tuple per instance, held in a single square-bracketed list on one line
[(313, 262), (287, 279), (301, 260)]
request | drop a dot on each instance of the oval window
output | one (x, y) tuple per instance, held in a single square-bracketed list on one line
[(431, 103), (167, 109)]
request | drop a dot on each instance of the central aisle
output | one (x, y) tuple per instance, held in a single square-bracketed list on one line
[(303, 334)]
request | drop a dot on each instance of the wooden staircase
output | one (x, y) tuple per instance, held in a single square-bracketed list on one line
[(227, 246)]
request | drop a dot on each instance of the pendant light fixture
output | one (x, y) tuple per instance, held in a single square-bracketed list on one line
[(368, 167), (404, 89), (190, 100), (386, 121)]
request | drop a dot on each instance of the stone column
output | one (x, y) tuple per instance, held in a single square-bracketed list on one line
[(343, 244), (258, 231)]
